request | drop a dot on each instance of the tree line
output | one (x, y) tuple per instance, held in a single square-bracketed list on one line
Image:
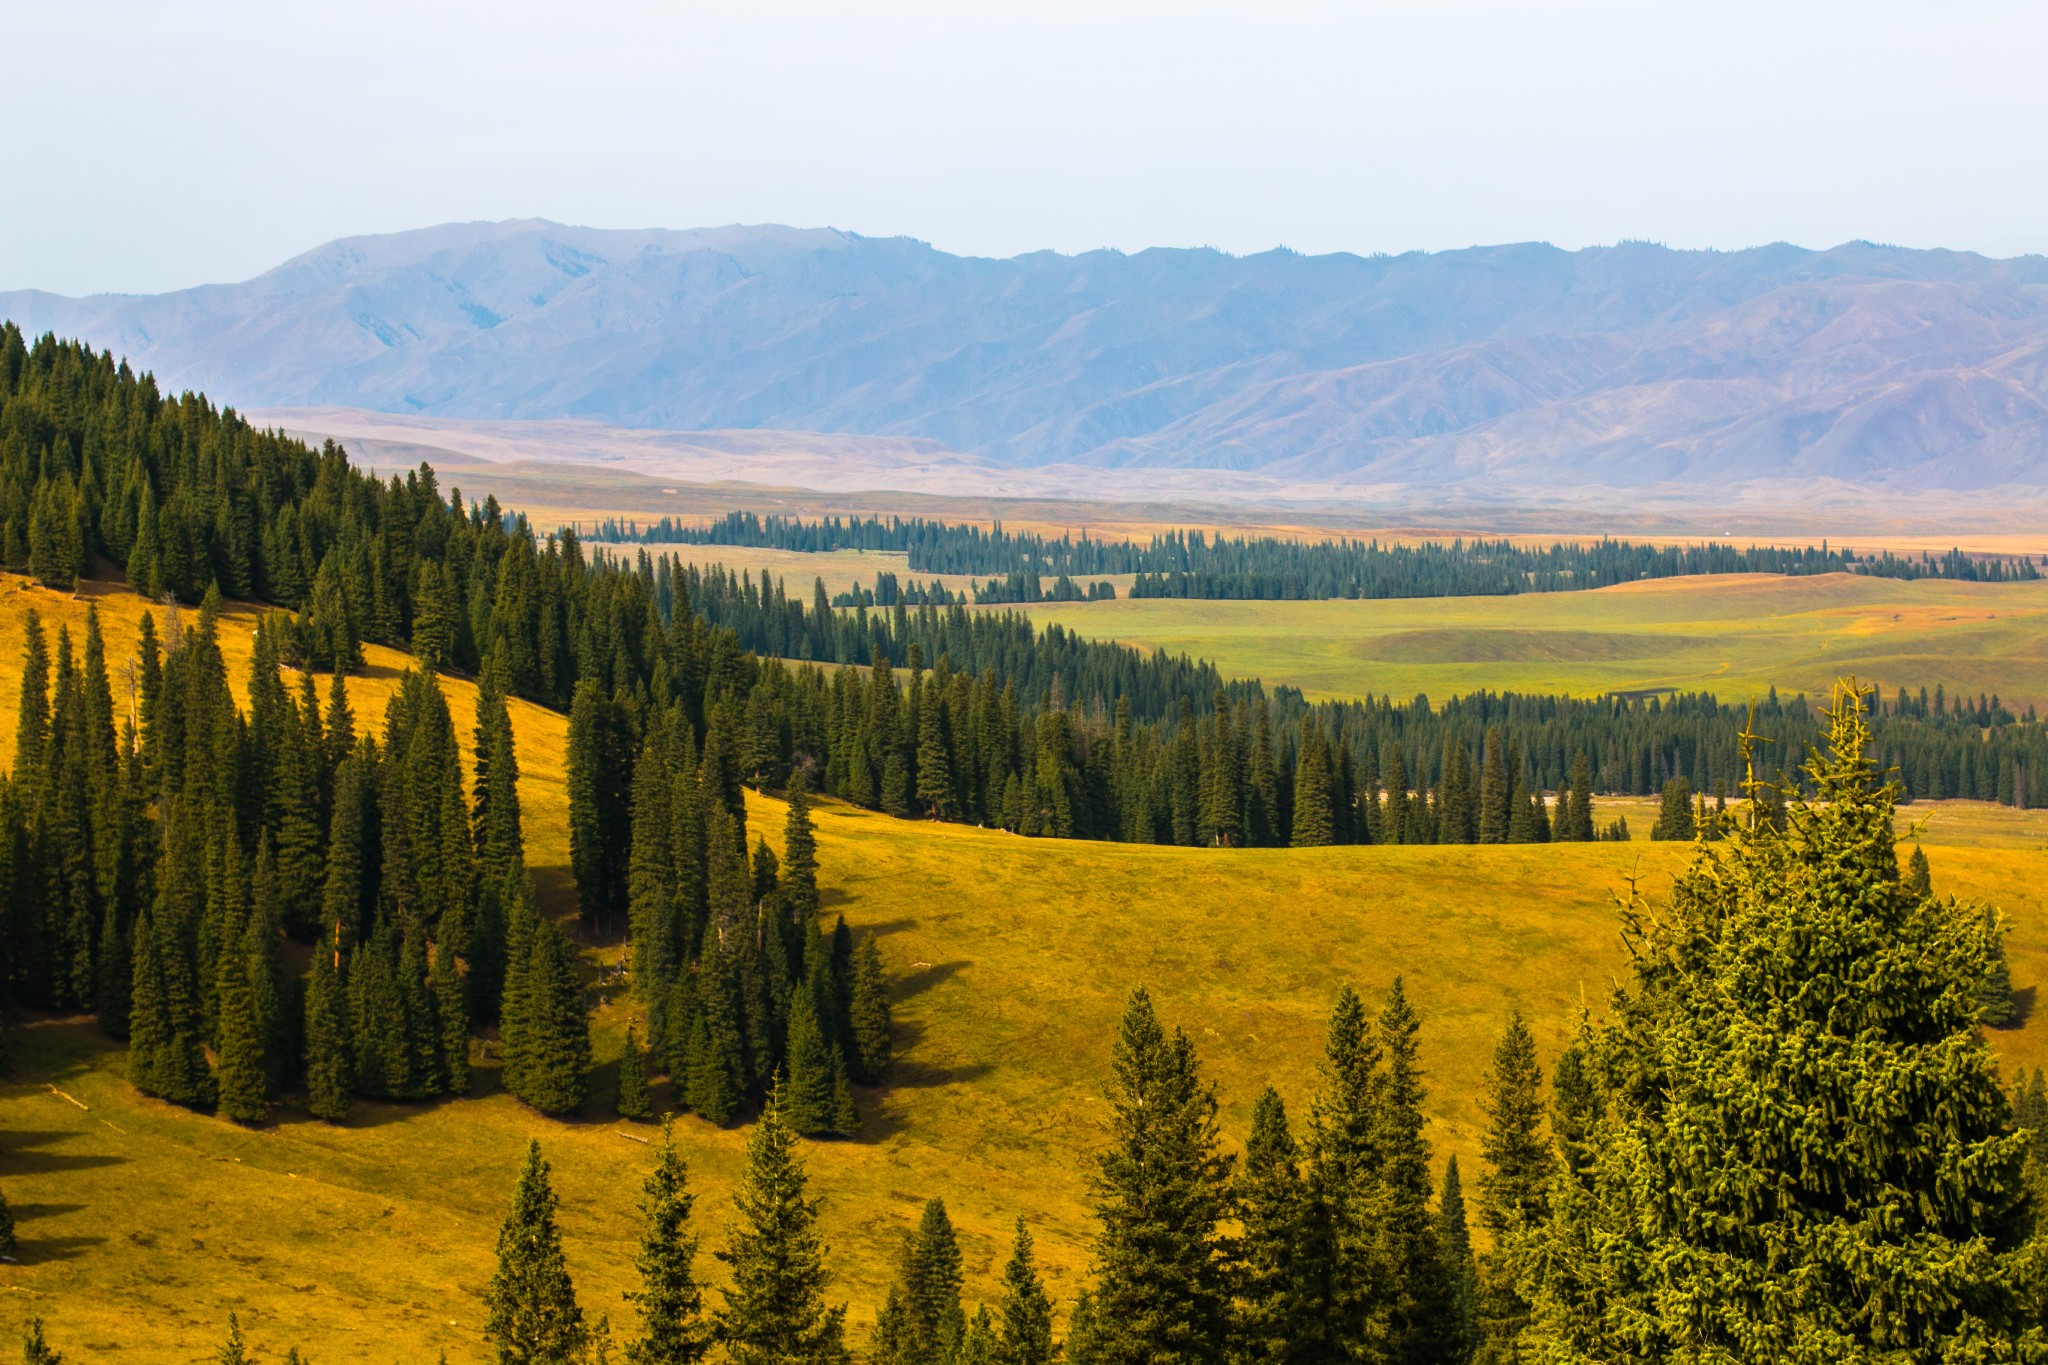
[(1194, 563)]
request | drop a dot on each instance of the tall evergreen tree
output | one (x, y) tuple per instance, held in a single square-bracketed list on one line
[(1460, 1334), (330, 1072), (633, 1099), (816, 1098), (1271, 1205), (933, 1322), (533, 1317), (600, 768), (1405, 1236), (1026, 1311), (1806, 1121), (241, 1082), (868, 1015), (670, 1299), (1161, 1285), (1513, 1191), (775, 1311), (554, 1066)]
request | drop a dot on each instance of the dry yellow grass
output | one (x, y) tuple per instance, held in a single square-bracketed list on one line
[(144, 1225)]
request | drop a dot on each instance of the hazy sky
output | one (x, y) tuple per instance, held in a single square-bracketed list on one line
[(153, 146)]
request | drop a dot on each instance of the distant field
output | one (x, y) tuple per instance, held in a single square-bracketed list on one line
[(143, 1225), (1735, 635)]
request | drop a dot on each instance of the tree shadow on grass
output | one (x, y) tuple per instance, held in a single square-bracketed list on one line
[(20, 1154), (41, 1250), (2022, 1006), (914, 983)]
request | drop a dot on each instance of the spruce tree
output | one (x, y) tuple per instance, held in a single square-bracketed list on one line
[(933, 1320), (35, 1350), (1513, 1191), (1806, 1121), (1996, 1006), (1271, 1205), (815, 1095), (1580, 815), (715, 1080), (868, 1015), (1026, 1311), (633, 1100), (1417, 1291), (1314, 822), (800, 857), (554, 1067), (232, 1351), (1919, 880), (775, 1311), (532, 1315), (1495, 808), (670, 1299), (330, 1079), (240, 1081), (1460, 1335), (451, 1010), (1161, 1294)]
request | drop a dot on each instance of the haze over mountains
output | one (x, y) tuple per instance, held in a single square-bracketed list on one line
[(1526, 365)]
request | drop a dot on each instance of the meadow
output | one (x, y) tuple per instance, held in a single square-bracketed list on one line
[(1734, 635), (143, 1225)]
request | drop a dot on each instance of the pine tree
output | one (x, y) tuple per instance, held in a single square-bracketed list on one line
[(1271, 1206), (1341, 1284), (815, 1094), (240, 1082), (800, 857), (1161, 1296), (1026, 1311), (1806, 1118), (715, 1080), (633, 1100), (868, 1015), (933, 1322), (533, 1318), (232, 1351), (1460, 1334), (330, 1079), (1314, 822), (1996, 1006), (1494, 793), (775, 1311), (451, 1008), (34, 1349), (1675, 818), (554, 1067), (670, 1300), (1580, 816), (980, 1344), (1405, 1242), (1919, 879), (1513, 1192), (164, 1056)]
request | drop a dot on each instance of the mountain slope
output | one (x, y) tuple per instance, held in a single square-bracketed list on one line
[(1622, 365)]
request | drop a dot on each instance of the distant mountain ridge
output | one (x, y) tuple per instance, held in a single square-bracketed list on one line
[(1523, 364)]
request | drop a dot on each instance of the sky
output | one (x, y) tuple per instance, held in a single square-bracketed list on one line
[(155, 146)]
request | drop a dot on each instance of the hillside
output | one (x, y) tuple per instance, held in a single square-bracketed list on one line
[(144, 1224), (1622, 366)]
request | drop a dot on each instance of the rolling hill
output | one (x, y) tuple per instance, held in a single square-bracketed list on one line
[(143, 1225), (1518, 365)]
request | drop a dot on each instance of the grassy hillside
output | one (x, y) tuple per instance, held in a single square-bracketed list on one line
[(142, 1225), (1734, 635)]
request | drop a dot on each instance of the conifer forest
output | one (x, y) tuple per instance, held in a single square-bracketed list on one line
[(1782, 1132)]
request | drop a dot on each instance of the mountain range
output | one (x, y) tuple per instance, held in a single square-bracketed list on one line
[(1629, 365)]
